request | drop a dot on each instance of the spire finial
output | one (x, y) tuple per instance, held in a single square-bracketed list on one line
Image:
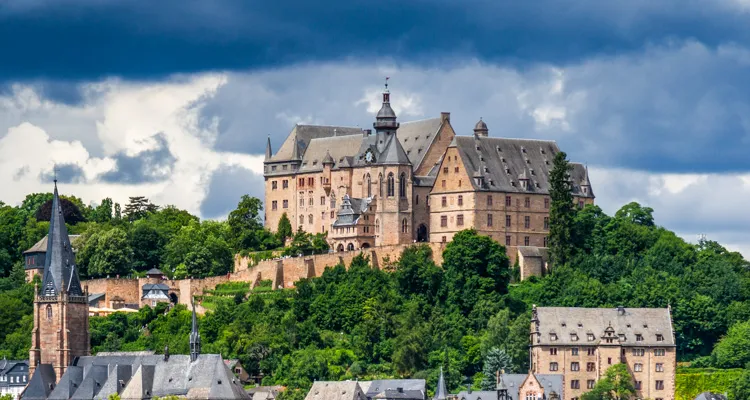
[(386, 82), (54, 172)]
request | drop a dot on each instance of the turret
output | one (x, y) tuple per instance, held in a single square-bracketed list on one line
[(385, 121), (480, 129), (328, 164)]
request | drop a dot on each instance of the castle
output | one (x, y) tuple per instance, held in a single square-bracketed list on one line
[(414, 182)]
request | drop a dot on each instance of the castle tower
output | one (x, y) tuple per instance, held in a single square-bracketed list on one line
[(61, 309)]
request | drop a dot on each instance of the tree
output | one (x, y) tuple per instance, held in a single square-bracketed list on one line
[(112, 254), (139, 207), (103, 212), (495, 360), (617, 384), (147, 244), (71, 211), (284, 229), (733, 350), (562, 211)]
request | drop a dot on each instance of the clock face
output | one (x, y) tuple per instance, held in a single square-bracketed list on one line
[(368, 156)]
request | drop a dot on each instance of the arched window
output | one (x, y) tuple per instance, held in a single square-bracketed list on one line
[(333, 201), (368, 183), (404, 226), (340, 247), (350, 247), (391, 186), (309, 219), (377, 226), (402, 185), (49, 312), (301, 219), (380, 185)]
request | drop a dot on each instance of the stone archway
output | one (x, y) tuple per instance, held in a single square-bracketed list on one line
[(173, 298), (365, 245), (340, 247), (422, 233), (350, 247)]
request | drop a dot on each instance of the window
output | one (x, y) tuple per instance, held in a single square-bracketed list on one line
[(311, 181), (404, 226), (460, 219), (455, 170), (659, 337), (444, 201), (460, 200), (507, 221), (575, 384), (574, 351), (574, 366), (526, 241), (590, 367), (574, 337), (322, 200), (333, 200), (442, 184), (659, 367), (638, 352), (553, 366), (546, 202), (283, 167), (527, 202), (49, 312), (553, 350), (285, 184), (274, 205), (444, 239), (459, 183), (609, 360), (659, 352), (489, 201), (507, 240), (391, 188), (443, 221), (301, 182), (489, 220), (301, 219), (507, 201), (580, 204), (332, 214), (638, 337), (527, 222), (274, 185), (445, 170), (590, 351), (301, 201), (310, 219), (638, 385), (546, 223), (402, 186), (546, 241), (637, 367), (590, 337), (273, 168), (659, 385), (590, 384)]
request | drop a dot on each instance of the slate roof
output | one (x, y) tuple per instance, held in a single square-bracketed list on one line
[(59, 266), (154, 271), (630, 322), (326, 390), (301, 136), (155, 286), (477, 395), (350, 211), (394, 388), (152, 375), (441, 393), (95, 297), (337, 146), (41, 383), (503, 163), (550, 383), (13, 368), (532, 251), (416, 137), (41, 245), (710, 396)]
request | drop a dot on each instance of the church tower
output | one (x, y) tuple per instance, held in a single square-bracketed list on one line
[(61, 310)]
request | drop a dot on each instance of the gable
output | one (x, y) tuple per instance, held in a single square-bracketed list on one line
[(452, 174)]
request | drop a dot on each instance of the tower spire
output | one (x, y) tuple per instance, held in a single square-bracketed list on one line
[(195, 337), (385, 121), (59, 266), (440, 392), (268, 148)]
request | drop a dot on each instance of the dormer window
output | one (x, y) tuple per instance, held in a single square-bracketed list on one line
[(513, 183), (638, 337), (541, 150), (532, 171), (659, 337), (546, 162), (645, 325), (580, 325), (573, 337), (553, 337), (590, 337), (523, 149), (478, 148), (507, 171), (499, 150), (528, 161), (563, 324)]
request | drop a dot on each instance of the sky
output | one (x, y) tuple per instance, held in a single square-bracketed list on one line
[(174, 100)]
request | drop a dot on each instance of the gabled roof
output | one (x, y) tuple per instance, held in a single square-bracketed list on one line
[(416, 137), (68, 384), (59, 266), (154, 271), (41, 383), (326, 390), (629, 322), (300, 137), (550, 383), (41, 245), (393, 153), (337, 147)]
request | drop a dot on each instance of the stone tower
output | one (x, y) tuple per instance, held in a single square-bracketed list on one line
[(61, 309)]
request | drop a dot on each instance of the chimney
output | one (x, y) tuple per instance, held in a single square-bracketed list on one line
[(445, 117), (620, 310), (366, 132)]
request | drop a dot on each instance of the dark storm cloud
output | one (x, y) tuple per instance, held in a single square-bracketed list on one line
[(147, 166), (65, 173), (86, 39), (226, 187)]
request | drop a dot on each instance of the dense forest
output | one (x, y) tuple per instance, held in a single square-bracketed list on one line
[(468, 315)]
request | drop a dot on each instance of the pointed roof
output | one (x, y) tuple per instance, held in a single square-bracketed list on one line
[(441, 393), (393, 153), (59, 267), (328, 159), (386, 118), (269, 152), (195, 337)]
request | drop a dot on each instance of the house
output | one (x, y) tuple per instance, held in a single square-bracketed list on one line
[(408, 389), (236, 367), (154, 293), (13, 377), (329, 390)]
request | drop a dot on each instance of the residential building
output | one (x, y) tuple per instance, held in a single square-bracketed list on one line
[(14, 376), (582, 343)]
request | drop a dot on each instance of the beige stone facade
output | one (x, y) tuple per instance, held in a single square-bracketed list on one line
[(413, 182), (581, 344)]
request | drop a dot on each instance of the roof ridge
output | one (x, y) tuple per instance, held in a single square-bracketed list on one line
[(419, 120)]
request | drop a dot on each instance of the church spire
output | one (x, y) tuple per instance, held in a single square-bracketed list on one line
[(60, 274), (269, 152), (195, 338), (440, 392), (386, 118)]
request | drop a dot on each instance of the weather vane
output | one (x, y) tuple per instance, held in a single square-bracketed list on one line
[(386, 81), (54, 172)]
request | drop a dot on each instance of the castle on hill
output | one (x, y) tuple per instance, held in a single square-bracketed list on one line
[(414, 182)]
